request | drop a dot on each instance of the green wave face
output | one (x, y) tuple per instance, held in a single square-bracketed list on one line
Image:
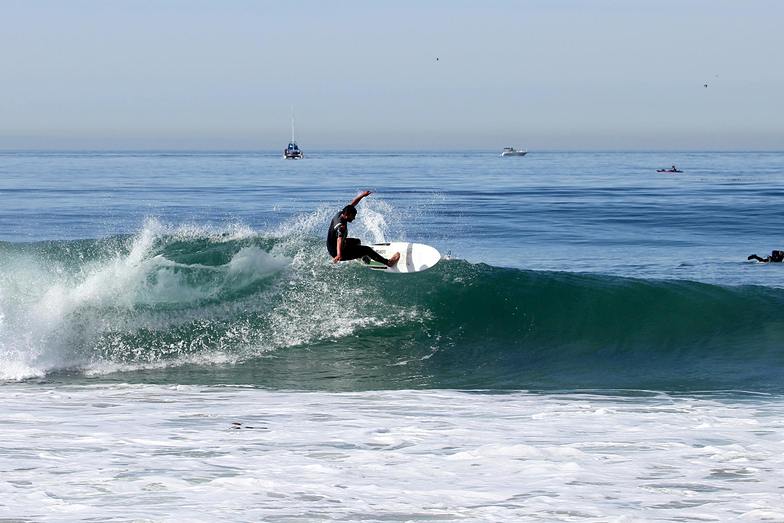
[(236, 307)]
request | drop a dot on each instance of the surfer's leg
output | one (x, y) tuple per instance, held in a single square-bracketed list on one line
[(354, 249), (361, 251), (358, 251), (755, 257), (367, 251), (376, 256), (351, 249), (393, 260)]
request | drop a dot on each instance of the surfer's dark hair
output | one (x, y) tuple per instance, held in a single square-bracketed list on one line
[(349, 210)]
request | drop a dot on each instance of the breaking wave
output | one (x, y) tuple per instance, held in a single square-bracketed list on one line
[(269, 309)]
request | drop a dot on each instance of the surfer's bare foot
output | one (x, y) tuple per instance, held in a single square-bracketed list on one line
[(393, 260)]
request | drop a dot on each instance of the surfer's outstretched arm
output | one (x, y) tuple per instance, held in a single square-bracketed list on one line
[(359, 197)]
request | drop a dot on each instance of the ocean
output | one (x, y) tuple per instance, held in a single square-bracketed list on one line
[(176, 344)]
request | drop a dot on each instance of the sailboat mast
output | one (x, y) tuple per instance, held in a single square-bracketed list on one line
[(292, 124)]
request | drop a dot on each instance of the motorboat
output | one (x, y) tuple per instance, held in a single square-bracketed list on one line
[(511, 151)]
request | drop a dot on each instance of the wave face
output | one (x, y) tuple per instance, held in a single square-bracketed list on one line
[(234, 306)]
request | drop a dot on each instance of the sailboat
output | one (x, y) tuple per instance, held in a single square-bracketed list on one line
[(292, 151)]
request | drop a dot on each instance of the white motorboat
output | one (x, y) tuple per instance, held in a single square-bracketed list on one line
[(511, 151)]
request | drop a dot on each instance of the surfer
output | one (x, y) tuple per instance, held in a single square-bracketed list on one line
[(343, 248), (775, 256)]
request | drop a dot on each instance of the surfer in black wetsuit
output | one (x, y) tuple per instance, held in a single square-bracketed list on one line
[(775, 256), (343, 248)]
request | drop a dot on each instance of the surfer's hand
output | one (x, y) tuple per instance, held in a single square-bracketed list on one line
[(359, 197), (336, 259)]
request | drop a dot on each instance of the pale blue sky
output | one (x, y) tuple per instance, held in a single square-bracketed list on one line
[(548, 74)]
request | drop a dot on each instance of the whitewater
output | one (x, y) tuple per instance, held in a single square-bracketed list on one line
[(175, 344)]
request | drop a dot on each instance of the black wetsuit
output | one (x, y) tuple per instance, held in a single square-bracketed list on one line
[(352, 248), (775, 256)]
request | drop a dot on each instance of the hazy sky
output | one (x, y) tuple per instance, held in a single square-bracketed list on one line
[(547, 74)]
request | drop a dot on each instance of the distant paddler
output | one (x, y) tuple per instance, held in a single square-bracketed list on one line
[(343, 248), (775, 257)]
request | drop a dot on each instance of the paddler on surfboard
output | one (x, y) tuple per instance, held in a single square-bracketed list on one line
[(343, 248), (775, 257)]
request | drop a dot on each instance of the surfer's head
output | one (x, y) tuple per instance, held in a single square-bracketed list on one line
[(350, 212)]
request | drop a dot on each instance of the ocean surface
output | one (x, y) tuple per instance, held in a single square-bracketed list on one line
[(176, 345)]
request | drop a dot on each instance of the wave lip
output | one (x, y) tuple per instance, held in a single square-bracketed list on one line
[(76, 303)]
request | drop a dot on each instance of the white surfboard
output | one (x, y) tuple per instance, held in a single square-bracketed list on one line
[(414, 257)]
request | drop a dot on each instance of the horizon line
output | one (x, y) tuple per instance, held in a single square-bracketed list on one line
[(365, 150)]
